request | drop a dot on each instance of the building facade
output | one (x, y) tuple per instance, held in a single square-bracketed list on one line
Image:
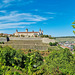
[(28, 34)]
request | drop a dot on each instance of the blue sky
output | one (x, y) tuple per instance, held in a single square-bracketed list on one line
[(54, 17)]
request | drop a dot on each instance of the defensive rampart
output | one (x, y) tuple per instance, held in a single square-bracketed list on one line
[(44, 40)]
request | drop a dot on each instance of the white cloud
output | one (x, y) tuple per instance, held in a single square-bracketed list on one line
[(15, 25), (49, 13), (6, 3), (36, 10), (2, 11), (15, 19), (21, 16)]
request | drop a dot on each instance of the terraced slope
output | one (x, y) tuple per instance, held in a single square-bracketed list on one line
[(28, 44)]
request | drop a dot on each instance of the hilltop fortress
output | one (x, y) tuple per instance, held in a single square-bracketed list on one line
[(26, 40), (28, 34)]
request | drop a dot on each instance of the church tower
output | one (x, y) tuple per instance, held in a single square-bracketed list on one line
[(26, 30), (40, 31), (16, 30)]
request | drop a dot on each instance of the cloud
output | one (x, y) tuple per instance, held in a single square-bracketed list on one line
[(6, 3), (36, 10), (49, 13), (15, 25), (21, 16), (3, 11), (15, 19)]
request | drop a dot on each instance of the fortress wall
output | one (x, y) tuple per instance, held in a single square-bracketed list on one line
[(3, 39), (24, 38), (44, 40), (47, 40)]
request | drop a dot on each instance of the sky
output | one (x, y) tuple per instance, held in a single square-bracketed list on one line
[(54, 17)]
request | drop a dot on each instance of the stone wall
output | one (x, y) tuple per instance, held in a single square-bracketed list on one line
[(47, 40), (24, 38), (3, 39), (44, 40)]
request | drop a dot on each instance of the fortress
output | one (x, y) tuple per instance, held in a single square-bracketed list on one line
[(26, 40), (28, 34)]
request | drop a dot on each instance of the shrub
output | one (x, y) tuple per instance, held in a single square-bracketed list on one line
[(53, 44)]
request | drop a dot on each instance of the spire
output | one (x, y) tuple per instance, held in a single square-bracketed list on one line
[(40, 29), (32, 30), (16, 30), (26, 30)]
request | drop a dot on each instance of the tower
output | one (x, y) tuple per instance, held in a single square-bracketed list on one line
[(16, 30), (32, 30), (39, 29), (26, 30), (42, 32)]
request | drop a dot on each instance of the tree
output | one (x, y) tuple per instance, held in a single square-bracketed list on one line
[(73, 26), (61, 63), (1, 34)]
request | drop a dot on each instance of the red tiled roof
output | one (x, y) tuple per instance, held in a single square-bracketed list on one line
[(5, 34), (73, 44), (27, 32), (65, 47)]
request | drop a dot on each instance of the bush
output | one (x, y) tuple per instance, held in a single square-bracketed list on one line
[(1, 42), (53, 44), (17, 59), (61, 62)]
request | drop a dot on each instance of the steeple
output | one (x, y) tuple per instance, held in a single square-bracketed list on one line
[(39, 29), (16, 30), (42, 32), (26, 30)]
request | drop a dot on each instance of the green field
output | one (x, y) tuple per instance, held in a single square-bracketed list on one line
[(65, 39)]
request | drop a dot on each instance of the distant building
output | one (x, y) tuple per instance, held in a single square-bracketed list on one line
[(28, 34), (2, 35)]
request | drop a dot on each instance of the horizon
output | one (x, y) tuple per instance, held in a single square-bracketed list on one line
[(53, 17)]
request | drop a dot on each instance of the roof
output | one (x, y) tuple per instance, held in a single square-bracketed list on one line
[(64, 47), (28, 32), (6, 34), (73, 44)]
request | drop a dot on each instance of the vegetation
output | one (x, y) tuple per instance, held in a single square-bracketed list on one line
[(1, 42), (16, 62), (65, 39), (53, 44), (47, 36), (73, 26)]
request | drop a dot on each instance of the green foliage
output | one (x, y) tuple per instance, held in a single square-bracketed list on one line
[(15, 62), (61, 62), (1, 42), (34, 61), (73, 26), (47, 36), (18, 60), (53, 44)]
